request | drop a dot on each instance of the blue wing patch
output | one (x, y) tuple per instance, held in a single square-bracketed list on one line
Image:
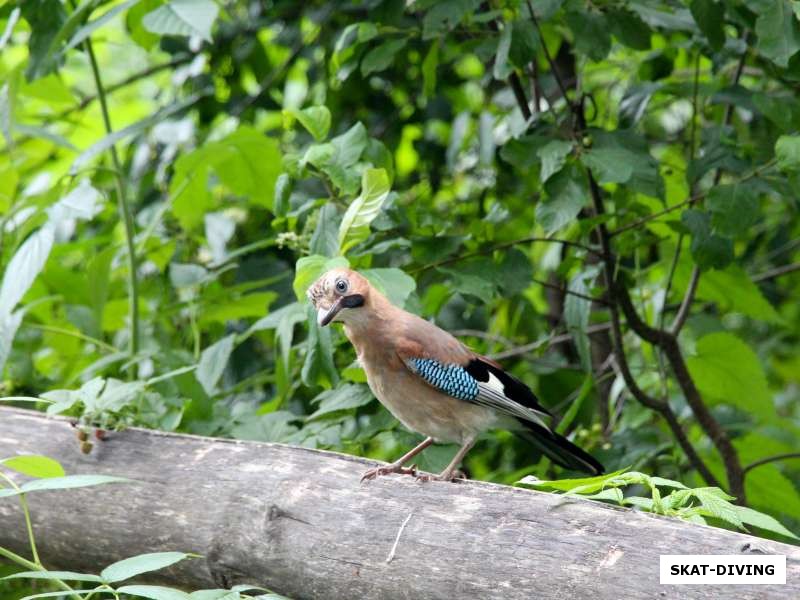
[(453, 380)]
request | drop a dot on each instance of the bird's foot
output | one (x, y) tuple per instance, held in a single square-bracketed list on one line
[(388, 470), (454, 476)]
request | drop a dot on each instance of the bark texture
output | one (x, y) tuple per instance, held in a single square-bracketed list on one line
[(299, 522)]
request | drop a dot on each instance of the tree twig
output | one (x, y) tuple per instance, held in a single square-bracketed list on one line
[(503, 246), (770, 459), (776, 272), (397, 539), (686, 305)]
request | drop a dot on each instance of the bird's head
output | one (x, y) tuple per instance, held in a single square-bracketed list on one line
[(338, 295)]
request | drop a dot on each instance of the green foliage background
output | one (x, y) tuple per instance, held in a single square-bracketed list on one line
[(491, 166)]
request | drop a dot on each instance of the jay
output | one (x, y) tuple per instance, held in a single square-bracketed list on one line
[(431, 382)]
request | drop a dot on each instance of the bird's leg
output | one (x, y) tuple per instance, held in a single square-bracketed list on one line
[(397, 466), (450, 473)]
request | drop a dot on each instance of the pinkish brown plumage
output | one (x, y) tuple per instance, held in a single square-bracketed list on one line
[(429, 380)]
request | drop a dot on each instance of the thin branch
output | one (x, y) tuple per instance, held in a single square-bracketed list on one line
[(110, 89), (479, 333), (770, 459), (686, 305), (549, 341), (503, 246), (689, 201), (397, 539), (143, 74), (122, 204), (519, 94), (549, 58), (688, 298), (776, 272)]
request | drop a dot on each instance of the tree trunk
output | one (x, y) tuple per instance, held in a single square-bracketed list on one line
[(298, 522)]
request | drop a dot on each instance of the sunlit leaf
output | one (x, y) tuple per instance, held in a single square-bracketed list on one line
[(144, 563), (183, 17), (34, 465)]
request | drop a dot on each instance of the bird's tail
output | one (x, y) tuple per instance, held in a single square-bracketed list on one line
[(559, 449)]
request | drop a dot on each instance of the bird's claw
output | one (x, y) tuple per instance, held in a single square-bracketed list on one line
[(453, 477), (388, 470)]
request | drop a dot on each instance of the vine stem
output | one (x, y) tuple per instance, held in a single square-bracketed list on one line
[(32, 566), (27, 513), (122, 204), (36, 564)]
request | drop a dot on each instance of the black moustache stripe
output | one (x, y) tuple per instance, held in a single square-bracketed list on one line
[(353, 301)]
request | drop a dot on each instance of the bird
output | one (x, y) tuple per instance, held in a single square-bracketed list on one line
[(433, 383)]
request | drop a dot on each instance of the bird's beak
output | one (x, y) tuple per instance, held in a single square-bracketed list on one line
[(325, 316)]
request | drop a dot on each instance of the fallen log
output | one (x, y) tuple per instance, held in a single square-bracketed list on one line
[(300, 523)]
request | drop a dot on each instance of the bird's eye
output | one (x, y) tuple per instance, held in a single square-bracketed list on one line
[(341, 286)]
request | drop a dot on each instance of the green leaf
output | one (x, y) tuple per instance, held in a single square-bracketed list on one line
[(187, 275), (354, 227), (325, 240), (283, 191), (726, 370), (144, 563), (337, 157), (60, 594), (393, 283), (710, 18), (734, 291), (629, 28), (708, 250), (524, 43), (589, 485), (318, 367), (576, 315), (769, 489), (718, 507), (246, 162), (62, 575), (183, 17), (316, 120), (104, 144), (778, 32), (133, 21), (553, 157), (381, 57), (34, 465), (748, 516), (502, 68), (567, 195), (591, 33), (309, 268), (212, 363), (444, 15), (576, 404), (471, 278), (87, 30), (273, 427), (610, 165), (24, 267), (629, 149), (154, 592), (49, 25), (283, 321), (787, 151), (344, 397), (734, 209), (429, 65), (62, 483)]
